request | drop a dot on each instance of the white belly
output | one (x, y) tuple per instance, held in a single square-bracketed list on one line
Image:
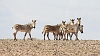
[(22, 30)]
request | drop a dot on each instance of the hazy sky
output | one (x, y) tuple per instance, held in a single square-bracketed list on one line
[(49, 12)]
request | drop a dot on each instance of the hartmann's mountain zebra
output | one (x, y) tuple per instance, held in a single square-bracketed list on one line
[(24, 28)]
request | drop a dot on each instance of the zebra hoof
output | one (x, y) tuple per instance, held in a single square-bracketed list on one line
[(56, 39), (48, 39), (77, 39), (15, 39), (31, 39), (24, 39), (64, 39), (70, 39)]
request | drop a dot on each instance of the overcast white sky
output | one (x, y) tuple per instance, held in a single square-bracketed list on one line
[(49, 12)]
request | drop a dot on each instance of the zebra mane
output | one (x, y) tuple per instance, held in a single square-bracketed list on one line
[(30, 25)]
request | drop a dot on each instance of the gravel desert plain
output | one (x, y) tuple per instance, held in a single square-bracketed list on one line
[(36, 47)]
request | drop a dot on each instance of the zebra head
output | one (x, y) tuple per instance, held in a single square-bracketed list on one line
[(72, 21), (79, 21), (81, 28), (63, 22), (33, 24)]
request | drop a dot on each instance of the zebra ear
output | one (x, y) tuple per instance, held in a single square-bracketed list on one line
[(82, 25), (32, 20), (80, 17)]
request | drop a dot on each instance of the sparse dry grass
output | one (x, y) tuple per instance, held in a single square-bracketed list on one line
[(9, 47)]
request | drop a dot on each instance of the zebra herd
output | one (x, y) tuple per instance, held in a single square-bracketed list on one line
[(59, 30)]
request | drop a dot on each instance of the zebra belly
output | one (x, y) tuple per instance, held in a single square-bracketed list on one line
[(22, 30)]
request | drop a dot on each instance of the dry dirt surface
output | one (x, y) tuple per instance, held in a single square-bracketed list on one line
[(9, 47)]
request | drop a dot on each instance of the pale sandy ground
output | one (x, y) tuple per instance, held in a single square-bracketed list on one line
[(8, 47)]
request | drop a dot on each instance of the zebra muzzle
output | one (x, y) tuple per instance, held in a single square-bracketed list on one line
[(82, 32), (34, 27)]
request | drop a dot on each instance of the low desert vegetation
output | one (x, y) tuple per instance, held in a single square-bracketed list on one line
[(36, 47)]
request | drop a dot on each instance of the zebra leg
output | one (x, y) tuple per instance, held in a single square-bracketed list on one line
[(61, 36), (44, 35), (48, 35), (76, 36), (25, 35), (64, 37), (67, 36), (71, 36), (30, 36), (54, 38), (54, 35), (57, 37), (14, 36)]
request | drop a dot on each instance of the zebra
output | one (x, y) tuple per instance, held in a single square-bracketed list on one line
[(24, 28)]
